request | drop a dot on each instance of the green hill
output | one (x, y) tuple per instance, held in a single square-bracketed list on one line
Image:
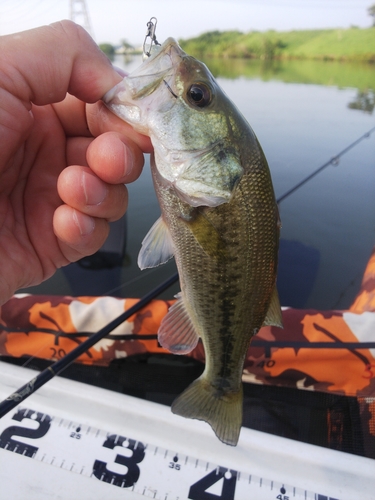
[(353, 44)]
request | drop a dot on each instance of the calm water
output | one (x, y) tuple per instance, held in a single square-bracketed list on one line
[(303, 113)]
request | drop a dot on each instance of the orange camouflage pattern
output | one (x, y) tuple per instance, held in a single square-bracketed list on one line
[(48, 327)]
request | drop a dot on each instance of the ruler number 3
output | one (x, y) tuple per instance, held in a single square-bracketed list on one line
[(101, 471)]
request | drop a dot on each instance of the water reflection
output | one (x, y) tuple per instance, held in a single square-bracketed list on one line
[(365, 101), (329, 73)]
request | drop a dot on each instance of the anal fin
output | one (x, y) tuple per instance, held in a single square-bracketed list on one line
[(177, 332)]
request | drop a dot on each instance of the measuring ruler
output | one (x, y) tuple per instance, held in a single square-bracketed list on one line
[(124, 462)]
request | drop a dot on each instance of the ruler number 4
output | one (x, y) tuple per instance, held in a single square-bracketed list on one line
[(198, 490)]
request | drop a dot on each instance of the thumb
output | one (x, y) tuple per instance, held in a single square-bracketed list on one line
[(43, 64)]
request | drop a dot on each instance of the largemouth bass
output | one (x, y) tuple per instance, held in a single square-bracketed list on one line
[(219, 219)]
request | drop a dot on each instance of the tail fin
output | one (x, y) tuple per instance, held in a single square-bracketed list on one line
[(223, 411)]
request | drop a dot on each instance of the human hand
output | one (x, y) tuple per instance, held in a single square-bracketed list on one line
[(62, 163)]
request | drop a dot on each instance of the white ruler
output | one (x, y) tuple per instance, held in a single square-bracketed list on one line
[(124, 462)]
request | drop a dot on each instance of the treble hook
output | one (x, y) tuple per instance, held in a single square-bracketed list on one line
[(150, 33)]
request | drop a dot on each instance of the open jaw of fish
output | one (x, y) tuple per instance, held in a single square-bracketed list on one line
[(219, 219)]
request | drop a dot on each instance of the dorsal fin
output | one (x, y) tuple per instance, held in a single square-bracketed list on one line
[(177, 332), (157, 246)]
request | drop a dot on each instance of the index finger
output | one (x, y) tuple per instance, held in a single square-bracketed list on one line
[(101, 120)]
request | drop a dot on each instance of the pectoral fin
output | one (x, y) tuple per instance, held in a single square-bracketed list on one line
[(157, 246), (177, 332), (273, 316)]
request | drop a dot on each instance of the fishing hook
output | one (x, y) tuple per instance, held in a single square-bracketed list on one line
[(150, 33)]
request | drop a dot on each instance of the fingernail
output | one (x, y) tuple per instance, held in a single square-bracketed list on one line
[(85, 223), (94, 189), (120, 71), (129, 161)]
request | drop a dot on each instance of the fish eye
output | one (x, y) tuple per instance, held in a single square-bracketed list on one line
[(199, 94)]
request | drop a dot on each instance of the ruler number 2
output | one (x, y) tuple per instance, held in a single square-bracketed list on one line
[(6, 438)]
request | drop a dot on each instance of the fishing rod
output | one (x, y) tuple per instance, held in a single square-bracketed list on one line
[(333, 161), (43, 377)]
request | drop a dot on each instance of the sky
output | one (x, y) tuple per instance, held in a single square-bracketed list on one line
[(114, 20)]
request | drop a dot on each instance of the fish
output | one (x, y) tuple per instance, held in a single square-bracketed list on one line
[(219, 220)]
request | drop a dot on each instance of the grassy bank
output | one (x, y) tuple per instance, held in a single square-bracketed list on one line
[(353, 44)]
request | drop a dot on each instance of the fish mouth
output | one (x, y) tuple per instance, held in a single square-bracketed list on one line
[(144, 80), (124, 99)]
